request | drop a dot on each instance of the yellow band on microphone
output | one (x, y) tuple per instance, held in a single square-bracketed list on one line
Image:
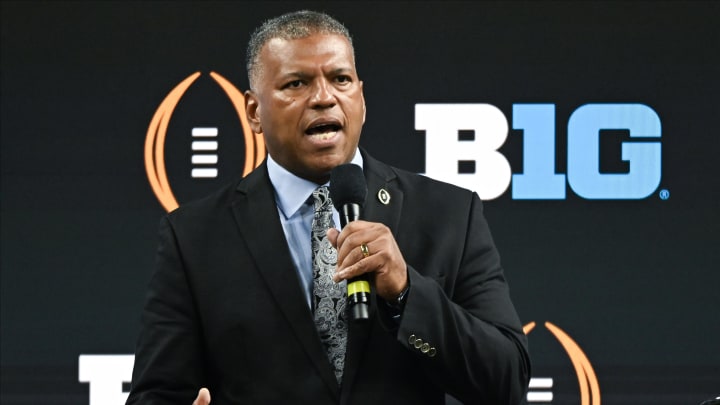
[(358, 287)]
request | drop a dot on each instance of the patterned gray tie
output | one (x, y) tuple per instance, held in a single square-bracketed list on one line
[(328, 297)]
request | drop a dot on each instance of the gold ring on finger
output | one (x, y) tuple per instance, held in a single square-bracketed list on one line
[(364, 249)]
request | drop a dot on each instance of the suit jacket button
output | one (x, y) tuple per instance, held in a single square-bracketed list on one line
[(418, 343), (432, 352), (412, 339), (425, 348)]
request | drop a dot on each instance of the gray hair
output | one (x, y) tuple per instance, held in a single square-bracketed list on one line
[(295, 25)]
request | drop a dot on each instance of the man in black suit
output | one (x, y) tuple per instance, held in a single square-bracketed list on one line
[(230, 306)]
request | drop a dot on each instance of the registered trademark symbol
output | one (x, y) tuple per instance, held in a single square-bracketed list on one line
[(664, 194)]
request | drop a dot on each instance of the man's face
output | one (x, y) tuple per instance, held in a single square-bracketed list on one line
[(308, 103)]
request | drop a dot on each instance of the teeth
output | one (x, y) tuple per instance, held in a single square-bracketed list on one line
[(325, 135)]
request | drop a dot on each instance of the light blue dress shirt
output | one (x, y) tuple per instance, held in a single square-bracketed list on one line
[(293, 197)]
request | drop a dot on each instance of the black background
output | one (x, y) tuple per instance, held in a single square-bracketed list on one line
[(633, 282)]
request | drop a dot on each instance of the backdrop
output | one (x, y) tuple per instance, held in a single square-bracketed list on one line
[(618, 289)]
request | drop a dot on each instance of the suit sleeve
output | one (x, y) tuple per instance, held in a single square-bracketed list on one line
[(168, 361), (462, 324)]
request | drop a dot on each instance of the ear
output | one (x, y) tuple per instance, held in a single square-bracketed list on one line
[(362, 96), (252, 111)]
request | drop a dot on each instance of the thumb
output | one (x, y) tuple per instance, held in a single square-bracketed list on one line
[(203, 397)]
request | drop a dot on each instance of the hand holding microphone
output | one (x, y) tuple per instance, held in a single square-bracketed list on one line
[(364, 248)]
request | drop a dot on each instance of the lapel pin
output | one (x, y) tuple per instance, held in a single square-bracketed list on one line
[(383, 196)]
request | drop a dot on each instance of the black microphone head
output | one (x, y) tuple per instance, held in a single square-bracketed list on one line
[(347, 185)]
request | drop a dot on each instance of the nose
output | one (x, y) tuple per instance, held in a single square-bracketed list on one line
[(322, 95)]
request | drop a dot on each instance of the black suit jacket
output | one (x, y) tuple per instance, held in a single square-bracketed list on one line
[(225, 308)]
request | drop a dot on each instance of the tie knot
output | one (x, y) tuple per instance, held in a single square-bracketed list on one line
[(321, 199)]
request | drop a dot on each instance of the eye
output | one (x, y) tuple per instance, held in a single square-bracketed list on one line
[(343, 79), (293, 84)]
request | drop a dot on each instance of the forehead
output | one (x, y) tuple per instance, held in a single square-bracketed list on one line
[(327, 49)]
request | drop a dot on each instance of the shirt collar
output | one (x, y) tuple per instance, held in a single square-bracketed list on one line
[(291, 191)]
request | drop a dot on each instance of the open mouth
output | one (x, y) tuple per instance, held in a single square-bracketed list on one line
[(323, 129)]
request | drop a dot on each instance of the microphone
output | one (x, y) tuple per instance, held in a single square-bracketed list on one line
[(348, 191)]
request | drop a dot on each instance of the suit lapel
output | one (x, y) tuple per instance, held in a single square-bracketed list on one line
[(382, 184), (255, 211), (379, 177)]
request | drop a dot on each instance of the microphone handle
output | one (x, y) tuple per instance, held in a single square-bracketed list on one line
[(350, 212), (358, 288)]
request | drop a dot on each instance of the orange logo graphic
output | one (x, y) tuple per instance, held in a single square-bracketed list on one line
[(157, 132), (587, 380)]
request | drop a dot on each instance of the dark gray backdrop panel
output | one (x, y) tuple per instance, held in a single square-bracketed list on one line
[(631, 281)]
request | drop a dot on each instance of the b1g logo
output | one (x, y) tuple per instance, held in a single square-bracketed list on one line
[(473, 161)]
